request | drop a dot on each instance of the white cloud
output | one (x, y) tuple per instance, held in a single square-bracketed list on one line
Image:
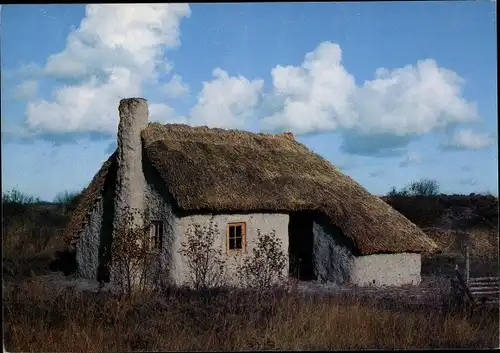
[(412, 100), (175, 87), (316, 95), (88, 107), (410, 158), (162, 113), (320, 95), (468, 139), (226, 101), (115, 49), (25, 90), (110, 35)]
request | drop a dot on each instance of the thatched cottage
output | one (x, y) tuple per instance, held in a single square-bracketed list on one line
[(243, 182)]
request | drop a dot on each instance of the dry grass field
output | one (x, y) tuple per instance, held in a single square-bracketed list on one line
[(38, 320)]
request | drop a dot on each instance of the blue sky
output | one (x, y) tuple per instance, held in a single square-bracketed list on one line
[(389, 92)]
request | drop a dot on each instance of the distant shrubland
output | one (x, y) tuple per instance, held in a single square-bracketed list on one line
[(423, 204), (32, 231)]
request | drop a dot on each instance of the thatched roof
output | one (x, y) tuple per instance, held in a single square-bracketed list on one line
[(220, 170), (87, 202)]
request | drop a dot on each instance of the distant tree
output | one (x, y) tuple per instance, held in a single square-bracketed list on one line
[(393, 191), (66, 201), (67, 197), (15, 196), (423, 187)]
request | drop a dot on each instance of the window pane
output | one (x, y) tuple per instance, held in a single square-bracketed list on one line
[(235, 236), (156, 234)]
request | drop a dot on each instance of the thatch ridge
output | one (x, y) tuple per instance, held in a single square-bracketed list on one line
[(181, 132), (239, 171)]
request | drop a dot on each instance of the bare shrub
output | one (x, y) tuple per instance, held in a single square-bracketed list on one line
[(205, 263), (265, 266), (131, 252)]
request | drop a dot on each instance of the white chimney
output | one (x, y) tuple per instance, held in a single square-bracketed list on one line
[(130, 180)]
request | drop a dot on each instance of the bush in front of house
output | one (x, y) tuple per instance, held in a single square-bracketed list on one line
[(265, 267), (204, 260), (132, 255), (262, 268)]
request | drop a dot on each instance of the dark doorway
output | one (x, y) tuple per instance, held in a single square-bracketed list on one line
[(300, 232)]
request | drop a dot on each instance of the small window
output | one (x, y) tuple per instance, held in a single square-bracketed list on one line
[(156, 234), (236, 236)]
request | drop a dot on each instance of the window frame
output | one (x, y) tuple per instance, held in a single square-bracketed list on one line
[(243, 226), (160, 225)]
